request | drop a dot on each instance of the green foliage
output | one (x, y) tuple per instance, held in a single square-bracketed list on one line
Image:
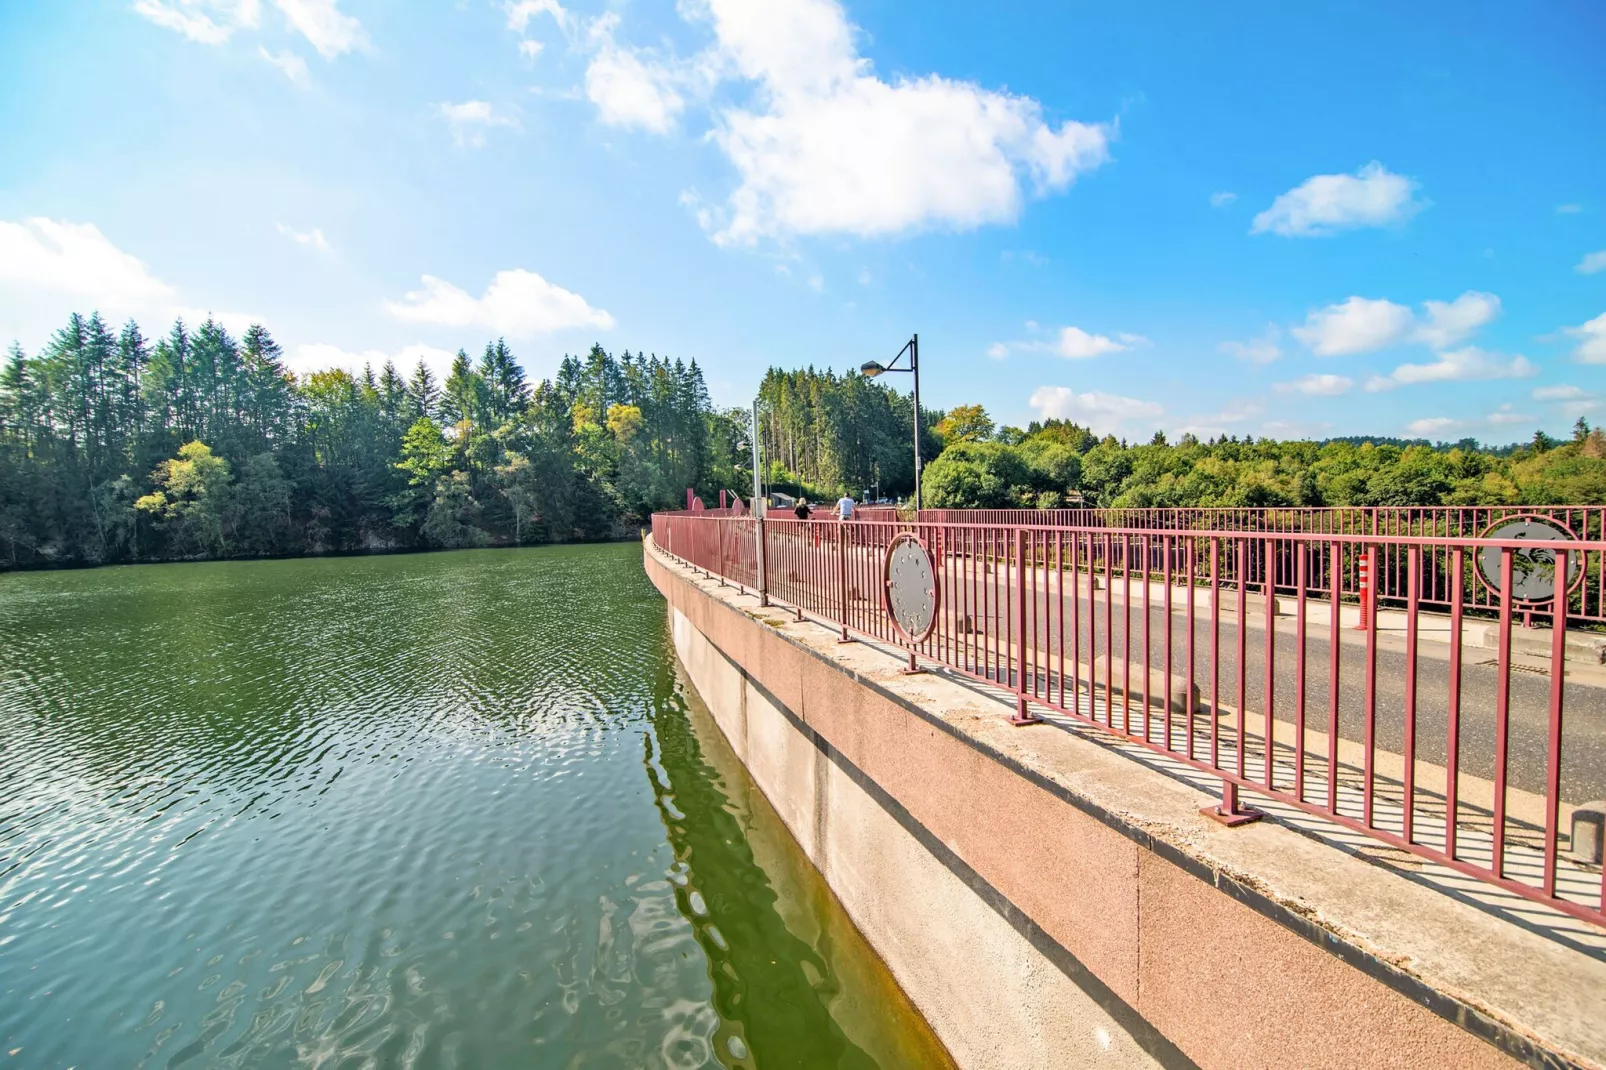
[(113, 448), (1061, 462)]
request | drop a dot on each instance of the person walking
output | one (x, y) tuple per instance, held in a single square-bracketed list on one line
[(801, 509), (844, 507)]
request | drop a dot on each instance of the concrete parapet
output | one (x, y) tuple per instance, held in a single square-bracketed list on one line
[(1047, 902)]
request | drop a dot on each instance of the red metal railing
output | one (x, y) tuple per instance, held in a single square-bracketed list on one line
[(1233, 652), (1389, 580)]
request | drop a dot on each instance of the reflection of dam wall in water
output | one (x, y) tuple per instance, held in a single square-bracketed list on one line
[(1045, 900)]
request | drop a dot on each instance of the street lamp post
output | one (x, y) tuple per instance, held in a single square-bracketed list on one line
[(871, 369)]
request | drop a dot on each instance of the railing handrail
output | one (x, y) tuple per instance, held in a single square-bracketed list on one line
[(1004, 618)]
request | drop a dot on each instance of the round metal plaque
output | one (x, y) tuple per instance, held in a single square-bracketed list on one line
[(911, 587), (1533, 572)]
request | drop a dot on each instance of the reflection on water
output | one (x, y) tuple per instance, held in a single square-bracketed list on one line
[(393, 812)]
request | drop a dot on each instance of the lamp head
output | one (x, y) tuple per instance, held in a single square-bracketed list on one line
[(870, 369)]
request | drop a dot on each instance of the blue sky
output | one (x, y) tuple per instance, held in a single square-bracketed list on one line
[(1285, 219)]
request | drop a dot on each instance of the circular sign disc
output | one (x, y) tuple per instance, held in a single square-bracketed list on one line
[(1533, 572), (911, 587)]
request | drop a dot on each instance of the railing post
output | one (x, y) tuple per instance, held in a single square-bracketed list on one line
[(763, 561), (842, 578), (1022, 716)]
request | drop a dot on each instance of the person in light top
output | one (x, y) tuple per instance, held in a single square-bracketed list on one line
[(844, 507)]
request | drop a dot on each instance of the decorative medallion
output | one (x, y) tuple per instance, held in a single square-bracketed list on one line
[(911, 587), (1533, 572)]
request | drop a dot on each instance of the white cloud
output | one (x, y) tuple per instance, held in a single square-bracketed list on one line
[(1506, 415), (50, 268), (1453, 322), (471, 119), (290, 65), (530, 49), (1591, 341), (1076, 344), (1592, 263), (75, 259), (998, 351), (1321, 385), (1359, 325), (324, 26), (1457, 365), (313, 238), (519, 14), (1569, 209), (1217, 423), (1262, 350), (1429, 426), (827, 147), (1565, 392), (212, 22), (321, 356), (629, 87), (518, 303), (1222, 199), (191, 18), (1101, 412), (1326, 204)]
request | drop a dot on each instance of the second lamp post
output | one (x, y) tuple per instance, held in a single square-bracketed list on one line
[(871, 369)]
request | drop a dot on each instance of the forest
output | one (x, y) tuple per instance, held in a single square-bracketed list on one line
[(117, 448)]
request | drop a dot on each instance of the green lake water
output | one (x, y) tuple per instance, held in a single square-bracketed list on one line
[(445, 810)]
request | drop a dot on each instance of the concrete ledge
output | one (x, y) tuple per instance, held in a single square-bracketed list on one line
[(1184, 942)]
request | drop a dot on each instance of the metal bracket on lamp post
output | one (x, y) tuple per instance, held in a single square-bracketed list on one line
[(870, 369)]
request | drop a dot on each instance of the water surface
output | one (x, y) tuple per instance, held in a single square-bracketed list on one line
[(424, 811)]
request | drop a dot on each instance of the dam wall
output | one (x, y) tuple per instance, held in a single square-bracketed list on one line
[(1045, 901)]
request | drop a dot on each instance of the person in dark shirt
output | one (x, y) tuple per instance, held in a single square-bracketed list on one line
[(801, 509)]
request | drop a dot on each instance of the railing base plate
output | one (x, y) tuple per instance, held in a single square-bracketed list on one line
[(1244, 816)]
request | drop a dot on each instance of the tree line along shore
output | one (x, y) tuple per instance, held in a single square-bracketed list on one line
[(118, 448)]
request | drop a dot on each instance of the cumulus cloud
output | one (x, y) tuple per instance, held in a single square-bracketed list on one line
[(290, 65), (312, 238), (1592, 263), (520, 13), (1569, 209), (1591, 337), (1076, 344), (206, 22), (1564, 392), (1449, 323), (1222, 199), (1318, 385), (324, 25), (1326, 204), (471, 119), (998, 351), (50, 268), (630, 88), (1507, 415), (1430, 426), (1358, 325), (321, 356), (517, 303), (530, 49), (1262, 350), (825, 146), (1101, 412), (1362, 325), (1457, 365), (212, 22), (75, 259)]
